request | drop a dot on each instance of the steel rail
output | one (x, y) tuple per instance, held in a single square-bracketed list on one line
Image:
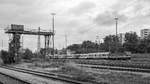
[(15, 78), (54, 76), (116, 68)]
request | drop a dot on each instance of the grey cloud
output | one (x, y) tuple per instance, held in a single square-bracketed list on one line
[(136, 5), (18, 2), (107, 18), (141, 9), (82, 8), (83, 31), (21, 11), (120, 5), (144, 1), (86, 28)]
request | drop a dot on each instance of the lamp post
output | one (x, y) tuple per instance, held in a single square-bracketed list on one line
[(116, 20), (97, 42), (53, 14), (2, 44)]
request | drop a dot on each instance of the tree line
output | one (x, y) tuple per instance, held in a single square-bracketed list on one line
[(26, 54), (132, 43)]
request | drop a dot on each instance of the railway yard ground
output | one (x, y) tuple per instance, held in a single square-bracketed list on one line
[(25, 77), (71, 68)]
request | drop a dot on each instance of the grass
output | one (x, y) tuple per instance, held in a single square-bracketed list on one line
[(124, 78), (76, 72), (52, 63), (109, 77)]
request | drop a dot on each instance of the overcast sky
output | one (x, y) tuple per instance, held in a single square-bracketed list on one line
[(79, 19)]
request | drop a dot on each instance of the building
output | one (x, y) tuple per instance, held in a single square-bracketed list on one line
[(121, 37), (145, 33)]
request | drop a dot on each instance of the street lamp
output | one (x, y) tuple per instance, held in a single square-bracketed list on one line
[(97, 42), (116, 20), (53, 14)]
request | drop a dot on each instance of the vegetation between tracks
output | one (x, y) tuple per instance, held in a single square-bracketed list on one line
[(137, 61), (74, 71)]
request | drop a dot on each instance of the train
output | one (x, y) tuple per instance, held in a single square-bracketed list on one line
[(99, 55)]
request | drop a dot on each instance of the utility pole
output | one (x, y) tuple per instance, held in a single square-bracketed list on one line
[(2, 44), (116, 20), (66, 42), (97, 42), (39, 41), (22, 43), (53, 14)]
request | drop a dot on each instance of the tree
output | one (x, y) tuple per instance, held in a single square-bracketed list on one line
[(142, 46), (47, 51), (131, 42), (7, 59), (89, 46), (27, 54), (74, 47), (85, 47), (111, 43)]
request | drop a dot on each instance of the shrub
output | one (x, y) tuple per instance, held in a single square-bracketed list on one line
[(76, 72), (7, 59), (27, 54)]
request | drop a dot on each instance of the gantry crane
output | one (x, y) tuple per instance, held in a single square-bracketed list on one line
[(18, 30)]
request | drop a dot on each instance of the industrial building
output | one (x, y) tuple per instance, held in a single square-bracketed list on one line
[(145, 33)]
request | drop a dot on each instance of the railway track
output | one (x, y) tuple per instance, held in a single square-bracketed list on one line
[(15, 79), (59, 77), (116, 68)]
